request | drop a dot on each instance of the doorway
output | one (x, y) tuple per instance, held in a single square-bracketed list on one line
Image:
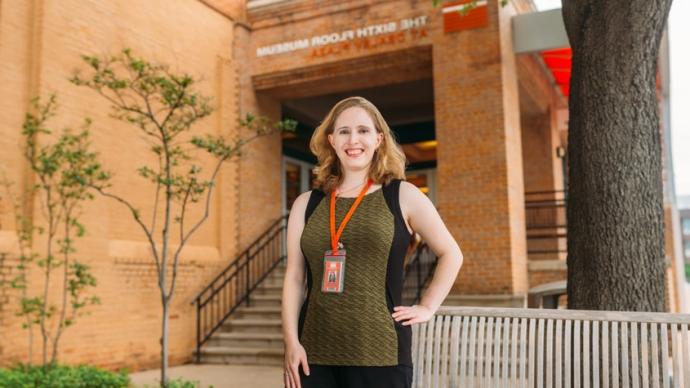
[(296, 178)]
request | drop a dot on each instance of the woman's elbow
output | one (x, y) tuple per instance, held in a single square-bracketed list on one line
[(458, 258), (453, 256)]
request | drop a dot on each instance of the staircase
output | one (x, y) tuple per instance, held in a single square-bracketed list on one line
[(252, 334)]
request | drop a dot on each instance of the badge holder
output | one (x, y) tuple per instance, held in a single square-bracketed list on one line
[(333, 271)]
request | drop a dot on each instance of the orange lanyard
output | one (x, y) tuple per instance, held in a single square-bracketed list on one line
[(335, 236)]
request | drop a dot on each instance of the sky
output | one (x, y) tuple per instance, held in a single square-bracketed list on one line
[(679, 30)]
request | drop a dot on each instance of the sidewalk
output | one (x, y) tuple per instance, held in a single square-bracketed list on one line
[(220, 376)]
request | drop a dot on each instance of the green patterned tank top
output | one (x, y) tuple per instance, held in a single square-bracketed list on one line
[(355, 327)]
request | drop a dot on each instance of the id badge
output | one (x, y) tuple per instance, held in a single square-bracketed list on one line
[(333, 271)]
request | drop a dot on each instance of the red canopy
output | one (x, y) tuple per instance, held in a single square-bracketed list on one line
[(559, 61)]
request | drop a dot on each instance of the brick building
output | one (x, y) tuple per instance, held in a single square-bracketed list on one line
[(483, 123), (684, 215), (685, 227)]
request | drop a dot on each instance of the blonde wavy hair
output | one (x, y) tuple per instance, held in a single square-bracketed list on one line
[(388, 162)]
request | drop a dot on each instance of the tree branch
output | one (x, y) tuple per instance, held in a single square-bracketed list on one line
[(176, 256), (135, 214), (155, 201)]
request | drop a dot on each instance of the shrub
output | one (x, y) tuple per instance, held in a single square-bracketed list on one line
[(62, 376), (180, 383)]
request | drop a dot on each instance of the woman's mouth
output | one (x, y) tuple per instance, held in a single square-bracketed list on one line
[(354, 152)]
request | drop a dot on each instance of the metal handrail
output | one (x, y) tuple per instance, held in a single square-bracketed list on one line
[(418, 271), (545, 222), (233, 285), (234, 263), (564, 192)]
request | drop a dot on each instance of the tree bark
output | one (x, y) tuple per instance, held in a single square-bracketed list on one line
[(165, 333), (615, 195)]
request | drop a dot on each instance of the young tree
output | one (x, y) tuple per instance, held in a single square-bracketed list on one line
[(164, 107), (615, 201), (65, 170), (25, 230)]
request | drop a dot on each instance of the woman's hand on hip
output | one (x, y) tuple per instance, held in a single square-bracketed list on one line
[(295, 355), (412, 314)]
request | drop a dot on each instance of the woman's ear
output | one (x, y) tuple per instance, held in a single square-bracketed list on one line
[(330, 140)]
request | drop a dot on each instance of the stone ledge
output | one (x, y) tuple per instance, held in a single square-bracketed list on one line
[(546, 265)]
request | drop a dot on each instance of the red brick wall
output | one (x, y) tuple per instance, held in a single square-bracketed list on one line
[(481, 193), (538, 151), (40, 47)]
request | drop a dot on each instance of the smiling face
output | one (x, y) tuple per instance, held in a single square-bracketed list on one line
[(355, 138)]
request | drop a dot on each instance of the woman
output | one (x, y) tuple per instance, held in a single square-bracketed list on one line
[(347, 238)]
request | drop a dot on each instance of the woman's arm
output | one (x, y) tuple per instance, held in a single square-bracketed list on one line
[(425, 220), (293, 294)]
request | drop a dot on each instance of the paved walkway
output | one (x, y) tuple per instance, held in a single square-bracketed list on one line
[(220, 376)]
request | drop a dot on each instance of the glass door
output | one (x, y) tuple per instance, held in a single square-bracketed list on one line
[(297, 178)]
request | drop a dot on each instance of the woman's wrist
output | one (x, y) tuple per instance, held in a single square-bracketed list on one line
[(291, 340), (429, 306)]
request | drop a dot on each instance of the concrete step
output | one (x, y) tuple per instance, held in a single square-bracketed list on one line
[(253, 335), (242, 355), (274, 278), (258, 312), (272, 283), (269, 289), (252, 326), (279, 270), (265, 300), (247, 340)]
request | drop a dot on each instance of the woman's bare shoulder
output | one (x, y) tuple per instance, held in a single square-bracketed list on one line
[(410, 193), (301, 201)]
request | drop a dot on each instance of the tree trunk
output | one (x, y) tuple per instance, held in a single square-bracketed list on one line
[(164, 343), (615, 195)]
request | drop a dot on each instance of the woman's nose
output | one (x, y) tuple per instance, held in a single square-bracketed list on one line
[(353, 139)]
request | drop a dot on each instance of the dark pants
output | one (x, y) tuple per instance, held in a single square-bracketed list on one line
[(327, 376)]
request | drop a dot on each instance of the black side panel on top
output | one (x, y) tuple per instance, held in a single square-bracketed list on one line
[(314, 199), (395, 270)]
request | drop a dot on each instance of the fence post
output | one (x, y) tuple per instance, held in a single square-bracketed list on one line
[(198, 331), (246, 282)]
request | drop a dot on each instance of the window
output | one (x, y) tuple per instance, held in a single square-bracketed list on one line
[(686, 226)]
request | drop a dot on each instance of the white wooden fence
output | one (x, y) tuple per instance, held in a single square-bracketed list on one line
[(516, 347)]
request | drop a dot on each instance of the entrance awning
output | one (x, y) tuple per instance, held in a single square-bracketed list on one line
[(544, 33), (559, 62)]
